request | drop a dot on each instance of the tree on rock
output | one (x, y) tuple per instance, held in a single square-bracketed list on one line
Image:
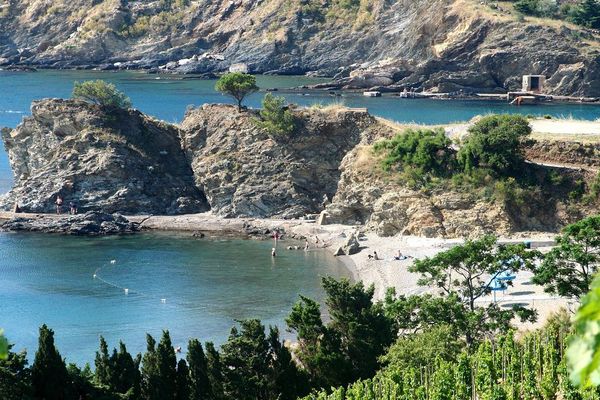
[(48, 373), (276, 118), (237, 85), (102, 93), (569, 268)]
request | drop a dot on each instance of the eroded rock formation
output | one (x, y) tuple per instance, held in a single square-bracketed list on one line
[(108, 160), (244, 171)]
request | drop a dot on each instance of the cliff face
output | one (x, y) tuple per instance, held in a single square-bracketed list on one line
[(245, 172), (117, 161), (220, 159), (444, 45)]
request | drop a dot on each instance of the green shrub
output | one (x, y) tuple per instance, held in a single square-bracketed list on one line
[(276, 118), (494, 143), (426, 150), (102, 93)]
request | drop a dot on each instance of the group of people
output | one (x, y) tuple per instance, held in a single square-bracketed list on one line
[(397, 257), (59, 204)]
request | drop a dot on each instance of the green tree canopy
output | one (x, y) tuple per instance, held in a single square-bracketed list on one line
[(425, 149), (349, 346), (583, 354), (464, 274), (198, 369), (276, 119), (102, 93), (3, 346), (568, 269), (237, 85), (494, 143), (15, 377)]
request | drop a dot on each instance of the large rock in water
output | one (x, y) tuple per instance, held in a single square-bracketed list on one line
[(89, 224), (243, 171), (117, 161)]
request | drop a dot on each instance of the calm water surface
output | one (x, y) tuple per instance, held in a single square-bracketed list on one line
[(207, 284), (167, 97)]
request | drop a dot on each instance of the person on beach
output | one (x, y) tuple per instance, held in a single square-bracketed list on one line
[(59, 203), (273, 252), (73, 207), (306, 247)]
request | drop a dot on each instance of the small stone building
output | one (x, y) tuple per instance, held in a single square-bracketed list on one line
[(534, 83)]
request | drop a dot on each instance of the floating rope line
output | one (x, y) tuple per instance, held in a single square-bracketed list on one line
[(128, 291)]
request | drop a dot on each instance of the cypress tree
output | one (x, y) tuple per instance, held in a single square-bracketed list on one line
[(214, 371), (102, 363), (49, 373), (198, 367), (288, 382), (150, 374), (124, 371), (167, 366), (182, 381)]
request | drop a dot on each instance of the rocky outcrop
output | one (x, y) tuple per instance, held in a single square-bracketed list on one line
[(385, 204), (443, 45), (246, 172), (105, 160), (88, 224)]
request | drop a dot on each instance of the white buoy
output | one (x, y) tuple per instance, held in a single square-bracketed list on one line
[(94, 276), (163, 301), (113, 261), (126, 291)]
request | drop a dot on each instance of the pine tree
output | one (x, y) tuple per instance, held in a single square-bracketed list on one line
[(246, 362), (49, 373), (182, 381), (198, 367)]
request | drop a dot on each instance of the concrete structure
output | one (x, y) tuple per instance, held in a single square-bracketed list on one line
[(533, 83)]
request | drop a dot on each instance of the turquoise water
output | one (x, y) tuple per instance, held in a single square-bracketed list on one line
[(167, 97), (207, 284)]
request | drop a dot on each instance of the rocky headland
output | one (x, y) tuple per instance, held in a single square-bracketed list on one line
[(109, 160), (220, 160), (436, 45)]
